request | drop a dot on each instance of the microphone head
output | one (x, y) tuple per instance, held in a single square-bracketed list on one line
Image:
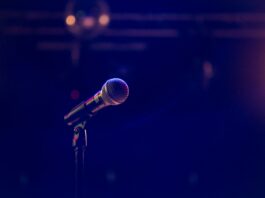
[(115, 91)]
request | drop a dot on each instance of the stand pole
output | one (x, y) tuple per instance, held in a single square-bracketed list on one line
[(79, 144)]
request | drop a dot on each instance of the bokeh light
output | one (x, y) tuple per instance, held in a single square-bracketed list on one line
[(88, 22), (75, 94), (104, 20), (70, 20)]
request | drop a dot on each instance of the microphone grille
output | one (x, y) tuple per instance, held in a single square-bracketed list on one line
[(115, 91)]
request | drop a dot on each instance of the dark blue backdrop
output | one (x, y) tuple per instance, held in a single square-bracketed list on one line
[(172, 138)]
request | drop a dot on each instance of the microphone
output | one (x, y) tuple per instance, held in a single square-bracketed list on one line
[(114, 92)]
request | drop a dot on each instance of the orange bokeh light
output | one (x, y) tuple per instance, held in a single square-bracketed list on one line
[(104, 20), (70, 20), (88, 22)]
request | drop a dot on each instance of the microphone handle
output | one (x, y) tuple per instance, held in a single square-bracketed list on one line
[(85, 110)]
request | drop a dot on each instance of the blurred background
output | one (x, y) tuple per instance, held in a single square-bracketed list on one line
[(193, 125)]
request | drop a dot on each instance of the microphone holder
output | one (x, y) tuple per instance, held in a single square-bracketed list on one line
[(79, 144)]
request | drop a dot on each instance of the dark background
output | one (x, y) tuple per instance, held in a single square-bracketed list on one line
[(175, 136)]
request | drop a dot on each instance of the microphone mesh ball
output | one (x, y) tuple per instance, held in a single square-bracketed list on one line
[(115, 91)]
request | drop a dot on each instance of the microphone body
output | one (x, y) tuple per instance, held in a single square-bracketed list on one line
[(114, 92)]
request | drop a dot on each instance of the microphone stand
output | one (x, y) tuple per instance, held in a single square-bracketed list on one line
[(79, 144)]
